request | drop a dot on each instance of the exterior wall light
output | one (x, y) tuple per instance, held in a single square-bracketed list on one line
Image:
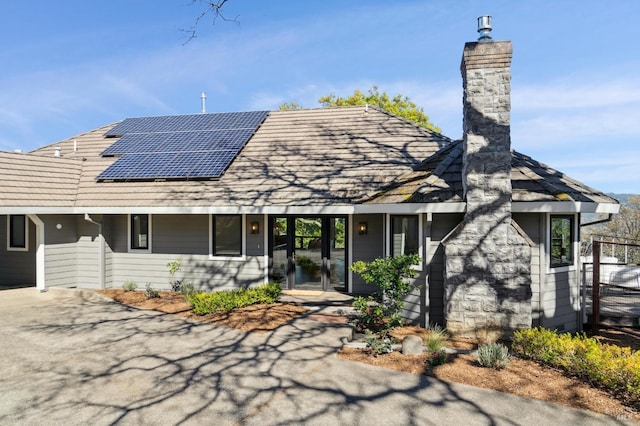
[(255, 227), (363, 228)]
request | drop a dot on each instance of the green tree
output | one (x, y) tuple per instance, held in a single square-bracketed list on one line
[(399, 105), (624, 227), (626, 224)]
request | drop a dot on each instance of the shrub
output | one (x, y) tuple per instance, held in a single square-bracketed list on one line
[(493, 355), (391, 275), (129, 285), (616, 368), (187, 289), (380, 343), (438, 357), (173, 267), (434, 341), (206, 303), (151, 292), (371, 314)]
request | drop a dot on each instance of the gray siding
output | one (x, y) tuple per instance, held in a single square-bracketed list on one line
[(186, 237), (72, 253), (555, 301), (367, 247), (17, 268), (441, 225), (560, 301), (531, 224)]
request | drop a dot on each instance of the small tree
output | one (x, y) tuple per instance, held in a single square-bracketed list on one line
[(391, 275), (399, 105)]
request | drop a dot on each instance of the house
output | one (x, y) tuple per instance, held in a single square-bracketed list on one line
[(297, 196)]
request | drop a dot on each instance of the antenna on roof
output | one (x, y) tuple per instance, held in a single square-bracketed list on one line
[(203, 99), (484, 28)]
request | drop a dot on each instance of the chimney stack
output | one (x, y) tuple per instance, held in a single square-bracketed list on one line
[(487, 257)]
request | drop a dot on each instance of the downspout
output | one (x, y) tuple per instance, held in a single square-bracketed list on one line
[(41, 284), (101, 260)]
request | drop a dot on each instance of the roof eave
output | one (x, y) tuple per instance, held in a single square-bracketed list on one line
[(563, 207)]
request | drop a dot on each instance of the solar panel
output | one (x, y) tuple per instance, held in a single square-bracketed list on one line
[(179, 147), (181, 165), (192, 122)]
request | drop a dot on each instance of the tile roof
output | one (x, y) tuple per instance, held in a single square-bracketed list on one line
[(29, 180), (318, 157), (438, 179)]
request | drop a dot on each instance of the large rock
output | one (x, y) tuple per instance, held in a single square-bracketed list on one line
[(412, 345)]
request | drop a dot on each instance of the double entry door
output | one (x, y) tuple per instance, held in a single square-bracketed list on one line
[(308, 252)]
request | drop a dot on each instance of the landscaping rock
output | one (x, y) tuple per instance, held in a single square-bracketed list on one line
[(412, 345)]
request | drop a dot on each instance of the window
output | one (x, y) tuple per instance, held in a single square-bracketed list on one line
[(17, 233), (404, 235), (227, 235), (562, 241), (140, 232)]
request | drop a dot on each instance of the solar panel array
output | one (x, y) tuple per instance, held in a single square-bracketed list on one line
[(179, 147)]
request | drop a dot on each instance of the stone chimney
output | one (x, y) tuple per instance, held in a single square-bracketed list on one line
[(487, 257)]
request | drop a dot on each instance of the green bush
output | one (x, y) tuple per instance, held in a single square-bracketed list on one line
[(438, 357), (616, 368), (493, 355), (129, 285), (371, 316), (380, 343), (391, 274), (206, 303), (187, 289)]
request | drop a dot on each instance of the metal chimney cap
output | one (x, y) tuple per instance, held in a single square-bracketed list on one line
[(484, 28)]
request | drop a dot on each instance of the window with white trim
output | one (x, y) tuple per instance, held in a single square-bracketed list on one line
[(140, 232), (404, 235), (17, 233), (561, 237), (226, 235)]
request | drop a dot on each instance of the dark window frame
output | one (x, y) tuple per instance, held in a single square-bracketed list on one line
[(239, 253), (23, 243), (135, 233), (561, 247), (392, 230)]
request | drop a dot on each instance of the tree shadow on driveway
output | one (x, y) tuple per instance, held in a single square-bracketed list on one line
[(82, 361)]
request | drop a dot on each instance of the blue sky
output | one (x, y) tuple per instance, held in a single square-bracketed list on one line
[(73, 65)]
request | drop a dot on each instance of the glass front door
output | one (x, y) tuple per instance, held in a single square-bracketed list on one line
[(308, 252)]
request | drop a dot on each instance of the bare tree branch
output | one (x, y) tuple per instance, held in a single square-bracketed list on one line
[(210, 8)]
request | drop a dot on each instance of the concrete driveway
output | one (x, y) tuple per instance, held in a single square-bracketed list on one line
[(68, 358)]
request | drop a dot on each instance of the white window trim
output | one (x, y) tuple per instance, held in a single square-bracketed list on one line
[(387, 236), (135, 250), (26, 234), (574, 245), (243, 240)]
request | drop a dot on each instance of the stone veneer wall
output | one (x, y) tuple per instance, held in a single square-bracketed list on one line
[(487, 258)]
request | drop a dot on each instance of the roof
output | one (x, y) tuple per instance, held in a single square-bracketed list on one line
[(316, 157), (343, 159), (438, 179)]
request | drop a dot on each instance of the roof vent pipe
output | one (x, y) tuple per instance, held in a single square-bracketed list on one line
[(57, 151), (203, 99), (75, 145), (484, 28)]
